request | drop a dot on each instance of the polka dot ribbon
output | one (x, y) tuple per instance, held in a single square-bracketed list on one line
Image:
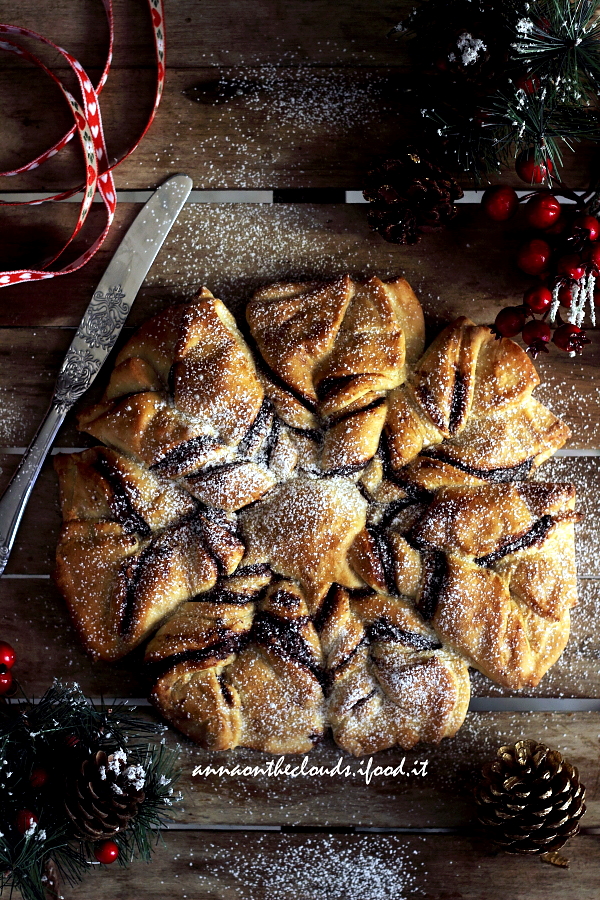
[(88, 128)]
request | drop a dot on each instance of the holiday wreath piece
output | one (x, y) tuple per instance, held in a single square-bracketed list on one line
[(78, 783), (319, 525), (501, 84)]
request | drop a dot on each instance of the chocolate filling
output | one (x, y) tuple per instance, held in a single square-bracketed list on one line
[(343, 416), (508, 473), (344, 470), (134, 570), (218, 516), (430, 405), (397, 506), (225, 690), (256, 569), (326, 608), (435, 570), (232, 642), (386, 557), (222, 595), (178, 460), (328, 385), (363, 700), (383, 630), (271, 441), (259, 428), (284, 637), (120, 503), (535, 535), (458, 408)]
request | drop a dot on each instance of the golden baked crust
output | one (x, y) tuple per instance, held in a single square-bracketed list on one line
[(326, 525)]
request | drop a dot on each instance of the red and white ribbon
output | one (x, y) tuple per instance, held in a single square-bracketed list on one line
[(88, 127)]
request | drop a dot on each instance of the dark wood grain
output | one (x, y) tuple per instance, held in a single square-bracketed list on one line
[(212, 33), (305, 126), (33, 610), (234, 248), (249, 866), (34, 551), (30, 359)]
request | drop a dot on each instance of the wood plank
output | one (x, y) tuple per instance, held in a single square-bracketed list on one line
[(442, 798), (234, 248), (35, 621), (304, 126), (250, 866), (574, 675), (223, 32), (34, 550)]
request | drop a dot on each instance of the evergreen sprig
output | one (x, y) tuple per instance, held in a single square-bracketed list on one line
[(528, 81), (42, 734)]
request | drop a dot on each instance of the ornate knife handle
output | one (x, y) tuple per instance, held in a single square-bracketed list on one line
[(103, 319), (14, 499)]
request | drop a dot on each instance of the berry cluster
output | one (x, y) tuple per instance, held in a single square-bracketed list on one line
[(26, 821), (7, 661), (565, 260)]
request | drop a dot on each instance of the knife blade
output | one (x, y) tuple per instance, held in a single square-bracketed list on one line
[(93, 341)]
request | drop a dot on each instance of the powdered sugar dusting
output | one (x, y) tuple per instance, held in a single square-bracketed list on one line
[(325, 867)]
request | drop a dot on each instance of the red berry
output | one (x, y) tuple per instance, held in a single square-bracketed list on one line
[(500, 202), (558, 227), (565, 296), (7, 655), (106, 852), (538, 298), (536, 330), (571, 266), (570, 338), (589, 224), (38, 777), (593, 256), (543, 210), (509, 321), (536, 335), (24, 820), (530, 170), (534, 256), (6, 681), (528, 83)]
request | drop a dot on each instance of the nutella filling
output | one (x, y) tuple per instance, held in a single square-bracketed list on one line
[(458, 408), (535, 535), (258, 430), (384, 631), (178, 460), (120, 503), (435, 571), (509, 473), (383, 550)]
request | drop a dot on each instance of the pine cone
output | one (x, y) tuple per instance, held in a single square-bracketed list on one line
[(104, 795), (530, 798), (397, 224), (411, 194)]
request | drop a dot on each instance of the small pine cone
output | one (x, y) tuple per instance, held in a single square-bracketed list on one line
[(103, 795), (530, 798), (397, 224), (411, 194)]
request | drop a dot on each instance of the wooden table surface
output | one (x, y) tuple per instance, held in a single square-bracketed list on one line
[(330, 94)]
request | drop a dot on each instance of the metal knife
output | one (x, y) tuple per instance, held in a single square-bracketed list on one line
[(95, 338)]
